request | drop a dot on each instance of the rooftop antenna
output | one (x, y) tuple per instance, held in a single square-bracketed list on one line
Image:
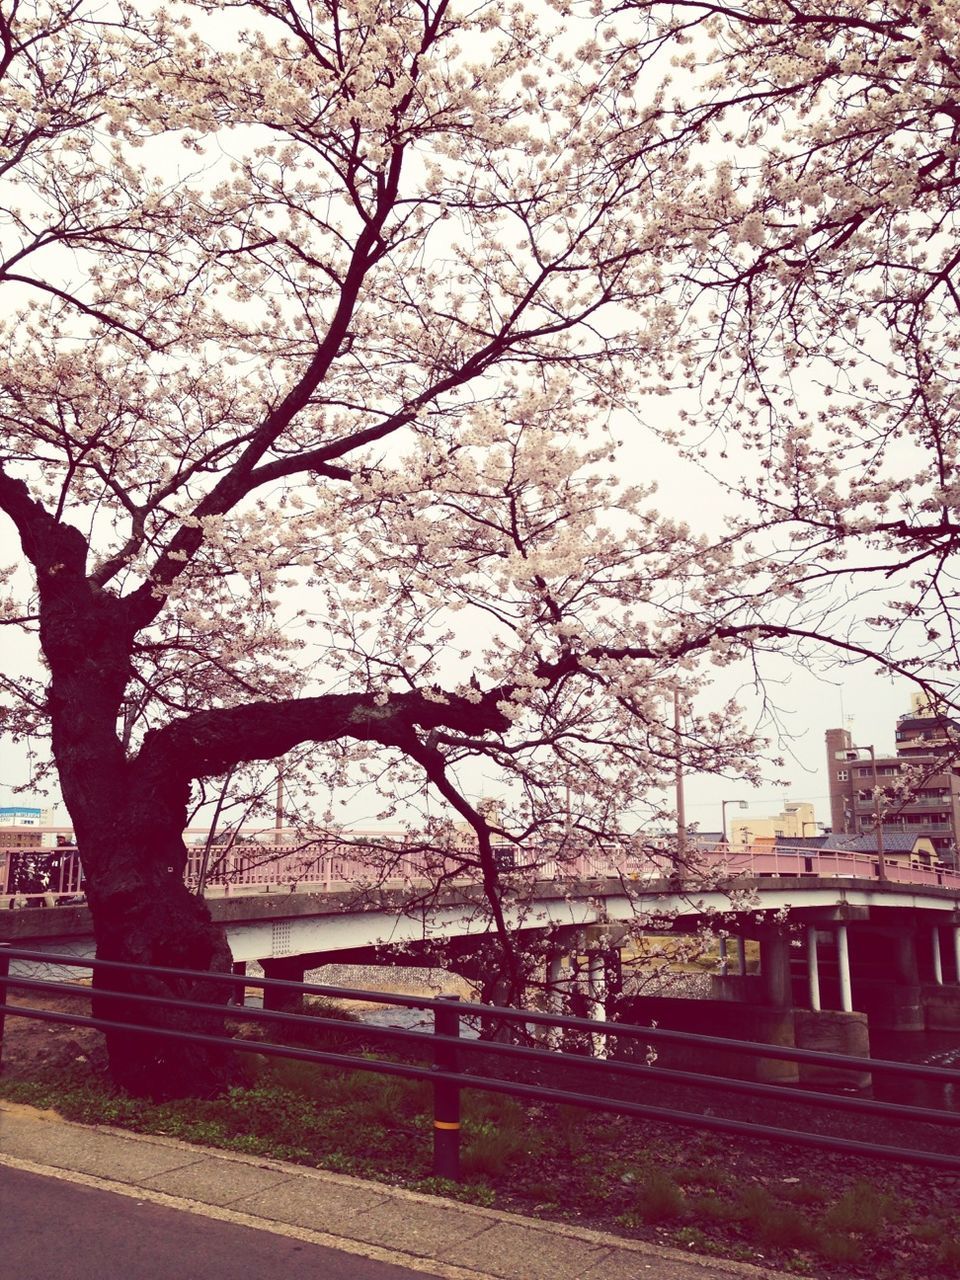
[(845, 720)]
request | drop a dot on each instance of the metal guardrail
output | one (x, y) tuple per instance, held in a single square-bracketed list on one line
[(447, 1051)]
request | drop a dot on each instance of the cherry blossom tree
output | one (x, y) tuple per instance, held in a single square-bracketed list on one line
[(322, 321), (822, 257)]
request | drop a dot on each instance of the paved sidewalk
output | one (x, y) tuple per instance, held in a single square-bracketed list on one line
[(429, 1235)]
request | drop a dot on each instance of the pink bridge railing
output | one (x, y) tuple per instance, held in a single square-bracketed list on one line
[(378, 857)]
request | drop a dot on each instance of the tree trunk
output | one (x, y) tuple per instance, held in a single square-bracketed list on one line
[(129, 815), (134, 860), (150, 917)]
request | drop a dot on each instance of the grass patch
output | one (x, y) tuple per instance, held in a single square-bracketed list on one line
[(773, 1224), (805, 1193), (658, 1198), (948, 1255), (862, 1209), (838, 1248), (701, 1176)]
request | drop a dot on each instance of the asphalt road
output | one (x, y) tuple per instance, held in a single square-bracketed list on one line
[(51, 1229)]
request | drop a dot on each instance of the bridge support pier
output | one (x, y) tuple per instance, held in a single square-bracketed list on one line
[(906, 964), (893, 1001), (813, 969), (775, 969), (843, 964), (597, 998), (290, 969), (941, 1007), (239, 967), (724, 966), (832, 1031), (557, 995)]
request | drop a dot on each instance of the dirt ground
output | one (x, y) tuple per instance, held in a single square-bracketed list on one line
[(28, 1042)]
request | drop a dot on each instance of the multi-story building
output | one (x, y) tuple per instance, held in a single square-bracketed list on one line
[(796, 819), (922, 733), (919, 786), (15, 824)]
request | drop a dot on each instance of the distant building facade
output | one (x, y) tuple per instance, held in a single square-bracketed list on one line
[(919, 784), (15, 821), (796, 819)]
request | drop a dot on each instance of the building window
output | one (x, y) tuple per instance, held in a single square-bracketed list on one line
[(843, 775)]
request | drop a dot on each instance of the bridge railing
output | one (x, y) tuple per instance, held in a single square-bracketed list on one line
[(621, 1065), (40, 875), (37, 877)]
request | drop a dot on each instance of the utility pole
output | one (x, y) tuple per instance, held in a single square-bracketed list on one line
[(877, 817), (681, 809), (278, 820)]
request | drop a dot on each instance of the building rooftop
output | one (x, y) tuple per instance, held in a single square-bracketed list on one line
[(895, 840)]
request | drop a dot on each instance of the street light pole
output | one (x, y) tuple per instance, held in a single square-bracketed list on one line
[(723, 816)]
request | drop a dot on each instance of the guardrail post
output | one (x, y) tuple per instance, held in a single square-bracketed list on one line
[(4, 972), (446, 1096)]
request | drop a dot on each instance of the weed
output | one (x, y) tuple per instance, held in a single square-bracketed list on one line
[(338, 1163), (469, 1193), (797, 1266), (659, 1199), (542, 1191), (694, 1238), (570, 1131), (772, 1224), (711, 1208), (948, 1255), (492, 1108), (388, 1101), (489, 1151), (862, 1209), (315, 1037), (801, 1193), (705, 1176), (838, 1248)]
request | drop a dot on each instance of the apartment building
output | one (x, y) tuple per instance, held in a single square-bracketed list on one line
[(919, 783)]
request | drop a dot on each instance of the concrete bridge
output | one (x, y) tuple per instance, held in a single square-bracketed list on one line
[(843, 950)]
